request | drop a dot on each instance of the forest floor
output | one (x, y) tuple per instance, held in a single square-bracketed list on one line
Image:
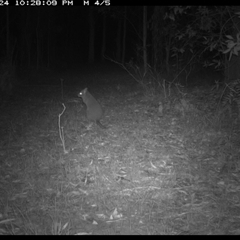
[(166, 164)]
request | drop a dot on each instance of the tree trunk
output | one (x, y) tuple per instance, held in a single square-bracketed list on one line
[(124, 35), (8, 33), (91, 52), (232, 70), (156, 37), (38, 42), (103, 38), (49, 38), (118, 40), (145, 39)]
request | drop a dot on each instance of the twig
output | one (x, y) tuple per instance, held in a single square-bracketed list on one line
[(61, 133)]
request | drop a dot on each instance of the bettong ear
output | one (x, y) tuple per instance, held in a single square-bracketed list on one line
[(82, 92)]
